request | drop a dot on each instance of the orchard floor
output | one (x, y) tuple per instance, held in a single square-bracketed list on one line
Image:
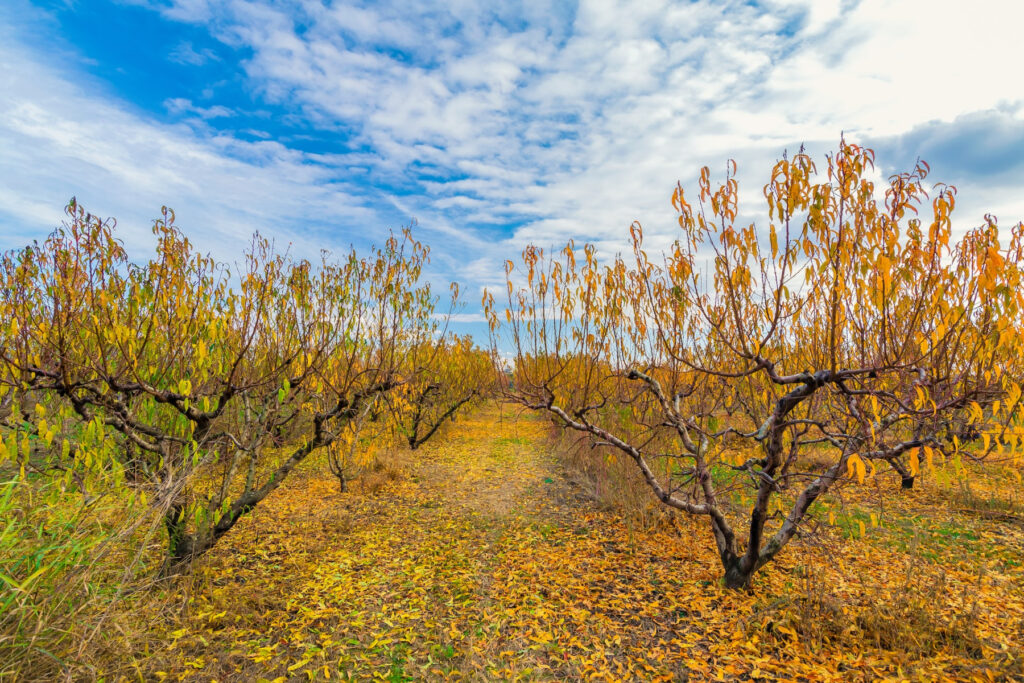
[(485, 563)]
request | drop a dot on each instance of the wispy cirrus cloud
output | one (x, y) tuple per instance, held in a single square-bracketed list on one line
[(181, 105), (185, 53)]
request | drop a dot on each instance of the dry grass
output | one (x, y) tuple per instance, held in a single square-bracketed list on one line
[(915, 615), (609, 479), (390, 465)]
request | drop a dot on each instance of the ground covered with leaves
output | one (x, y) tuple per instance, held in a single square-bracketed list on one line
[(479, 559)]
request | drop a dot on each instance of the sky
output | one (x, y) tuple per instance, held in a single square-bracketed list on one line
[(489, 126)]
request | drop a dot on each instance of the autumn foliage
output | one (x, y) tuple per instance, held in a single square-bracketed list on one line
[(844, 327)]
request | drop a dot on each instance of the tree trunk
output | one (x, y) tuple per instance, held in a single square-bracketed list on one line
[(735, 577), (906, 478), (181, 545)]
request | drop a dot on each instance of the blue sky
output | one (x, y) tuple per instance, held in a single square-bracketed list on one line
[(324, 124)]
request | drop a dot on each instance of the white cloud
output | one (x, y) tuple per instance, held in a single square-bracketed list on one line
[(463, 317), (185, 53), (181, 105), (887, 65)]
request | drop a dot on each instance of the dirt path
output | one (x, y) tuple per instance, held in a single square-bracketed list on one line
[(414, 580), (509, 476)]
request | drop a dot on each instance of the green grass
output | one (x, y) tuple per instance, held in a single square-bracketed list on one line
[(510, 441)]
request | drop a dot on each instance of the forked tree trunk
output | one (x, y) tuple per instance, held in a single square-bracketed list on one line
[(735, 577), (415, 440)]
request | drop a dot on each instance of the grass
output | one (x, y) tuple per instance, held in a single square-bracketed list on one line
[(60, 566)]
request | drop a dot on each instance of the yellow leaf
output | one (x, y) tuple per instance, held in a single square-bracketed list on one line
[(920, 398), (855, 467)]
